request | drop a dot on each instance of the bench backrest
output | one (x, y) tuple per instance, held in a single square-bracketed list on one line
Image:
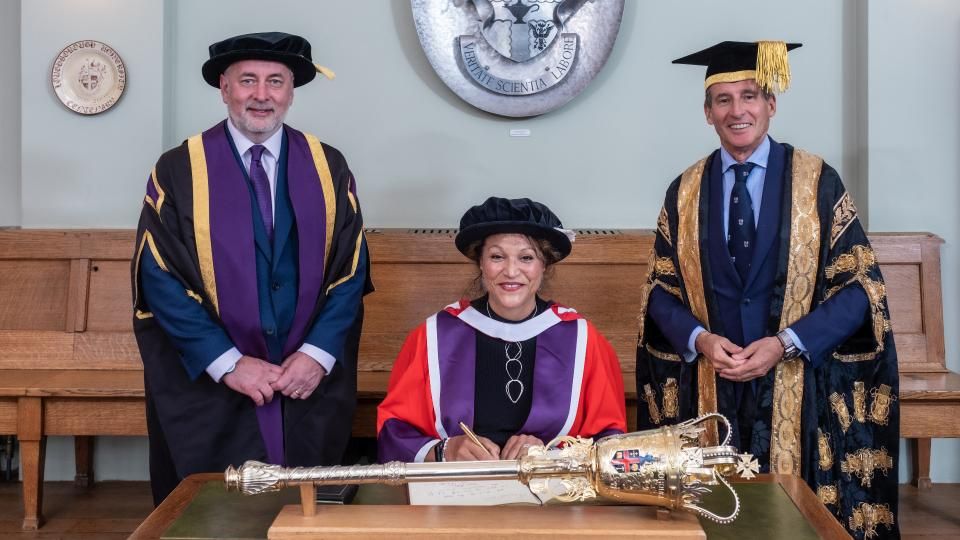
[(65, 295)]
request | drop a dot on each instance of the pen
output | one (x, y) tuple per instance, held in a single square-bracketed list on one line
[(473, 437)]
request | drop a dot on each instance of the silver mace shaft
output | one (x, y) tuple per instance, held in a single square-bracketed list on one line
[(254, 477)]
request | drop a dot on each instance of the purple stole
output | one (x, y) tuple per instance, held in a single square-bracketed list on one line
[(557, 373), (226, 251)]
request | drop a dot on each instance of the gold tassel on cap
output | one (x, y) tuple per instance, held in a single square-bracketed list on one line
[(773, 68), (326, 72)]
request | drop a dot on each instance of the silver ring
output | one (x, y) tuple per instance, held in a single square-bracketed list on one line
[(296, 392)]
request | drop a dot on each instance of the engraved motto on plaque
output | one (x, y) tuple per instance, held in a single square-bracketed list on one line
[(517, 57)]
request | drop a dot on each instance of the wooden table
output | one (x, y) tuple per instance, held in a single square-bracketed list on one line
[(929, 408), (822, 522)]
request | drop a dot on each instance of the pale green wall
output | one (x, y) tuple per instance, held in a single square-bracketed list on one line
[(914, 147), (10, 127), (80, 171), (421, 155)]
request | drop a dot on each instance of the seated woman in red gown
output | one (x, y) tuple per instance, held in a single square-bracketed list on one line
[(515, 368)]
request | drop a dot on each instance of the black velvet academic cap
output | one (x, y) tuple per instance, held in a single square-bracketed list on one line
[(288, 49), (732, 61), (512, 216)]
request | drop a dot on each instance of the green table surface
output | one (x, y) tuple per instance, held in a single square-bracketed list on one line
[(766, 512)]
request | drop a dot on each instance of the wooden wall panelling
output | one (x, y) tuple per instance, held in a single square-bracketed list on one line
[(34, 294), (78, 287), (111, 299), (36, 349), (8, 415)]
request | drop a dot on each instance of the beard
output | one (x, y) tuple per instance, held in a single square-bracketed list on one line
[(257, 126)]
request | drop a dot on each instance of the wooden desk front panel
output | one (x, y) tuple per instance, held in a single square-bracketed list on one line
[(8, 416)]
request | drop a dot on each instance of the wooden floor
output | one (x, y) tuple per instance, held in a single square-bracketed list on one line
[(112, 510)]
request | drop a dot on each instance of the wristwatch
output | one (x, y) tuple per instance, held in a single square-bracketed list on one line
[(790, 349)]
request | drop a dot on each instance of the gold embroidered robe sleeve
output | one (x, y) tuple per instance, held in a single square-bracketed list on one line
[(855, 388), (660, 371)]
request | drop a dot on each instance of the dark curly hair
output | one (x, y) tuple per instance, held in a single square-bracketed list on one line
[(543, 249)]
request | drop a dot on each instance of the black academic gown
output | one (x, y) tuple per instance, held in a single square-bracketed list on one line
[(832, 419), (200, 224)]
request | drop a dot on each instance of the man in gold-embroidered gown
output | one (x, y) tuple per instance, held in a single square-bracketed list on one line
[(764, 301)]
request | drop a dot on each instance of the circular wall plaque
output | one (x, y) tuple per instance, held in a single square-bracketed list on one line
[(88, 76), (517, 57)]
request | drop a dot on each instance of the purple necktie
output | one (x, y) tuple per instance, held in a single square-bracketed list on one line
[(261, 187)]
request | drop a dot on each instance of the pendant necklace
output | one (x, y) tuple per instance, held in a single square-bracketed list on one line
[(513, 350)]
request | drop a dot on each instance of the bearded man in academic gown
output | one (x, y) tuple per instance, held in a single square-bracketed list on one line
[(764, 301), (249, 273)]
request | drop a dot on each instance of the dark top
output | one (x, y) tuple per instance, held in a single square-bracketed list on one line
[(496, 416)]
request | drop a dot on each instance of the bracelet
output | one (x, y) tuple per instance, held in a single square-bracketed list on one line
[(438, 450)]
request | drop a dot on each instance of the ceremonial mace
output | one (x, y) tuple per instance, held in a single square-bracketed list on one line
[(664, 467)]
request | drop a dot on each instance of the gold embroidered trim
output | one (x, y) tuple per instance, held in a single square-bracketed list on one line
[(844, 214), (859, 402), (645, 291), (651, 400), (201, 217), (650, 282), (353, 265), (825, 459), (350, 197), (329, 194), (664, 266), (868, 516), (161, 195), (804, 257), (828, 494), (865, 462), (195, 296), (785, 436), (146, 240), (688, 250), (839, 406), (660, 355), (859, 357), (732, 76), (663, 225), (671, 404), (148, 200), (674, 291), (859, 262), (880, 408)]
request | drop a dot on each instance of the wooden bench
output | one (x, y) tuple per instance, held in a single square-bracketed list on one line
[(69, 363)]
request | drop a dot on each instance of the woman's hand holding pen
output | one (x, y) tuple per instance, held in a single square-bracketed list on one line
[(462, 448), (471, 447)]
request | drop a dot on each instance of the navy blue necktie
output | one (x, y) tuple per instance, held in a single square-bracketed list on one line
[(741, 229), (261, 188)]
